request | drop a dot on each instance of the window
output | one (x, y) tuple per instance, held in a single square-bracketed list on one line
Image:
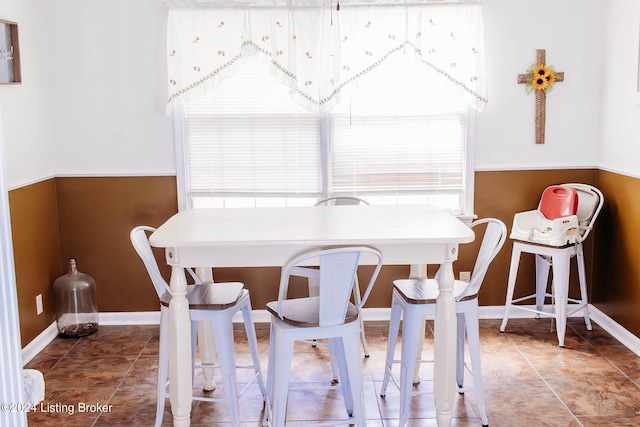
[(400, 138)]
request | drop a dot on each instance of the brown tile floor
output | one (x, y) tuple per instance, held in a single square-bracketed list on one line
[(528, 379)]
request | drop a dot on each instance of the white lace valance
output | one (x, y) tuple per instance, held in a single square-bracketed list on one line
[(320, 52)]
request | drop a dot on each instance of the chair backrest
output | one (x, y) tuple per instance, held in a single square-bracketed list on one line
[(140, 242), (335, 278), (590, 201), (341, 200), (495, 235), (558, 201)]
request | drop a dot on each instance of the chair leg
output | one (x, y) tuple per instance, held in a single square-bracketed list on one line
[(207, 347), (314, 290), (561, 292), (345, 379), (250, 330), (460, 352), (394, 327), (354, 373), (163, 365), (279, 376), (194, 343), (582, 276), (511, 284), (223, 334), (334, 361), (473, 336), (270, 376), (416, 371), (411, 326), (356, 300), (542, 280)]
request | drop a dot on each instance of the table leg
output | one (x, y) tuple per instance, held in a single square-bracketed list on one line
[(206, 342), (179, 350), (445, 346)]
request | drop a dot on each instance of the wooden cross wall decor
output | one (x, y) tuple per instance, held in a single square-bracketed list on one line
[(540, 78)]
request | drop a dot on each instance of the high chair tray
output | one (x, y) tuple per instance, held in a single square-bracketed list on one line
[(532, 226)]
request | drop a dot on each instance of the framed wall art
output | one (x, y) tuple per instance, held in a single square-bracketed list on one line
[(636, 75), (9, 53)]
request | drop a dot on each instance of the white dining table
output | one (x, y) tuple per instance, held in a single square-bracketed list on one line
[(270, 236)]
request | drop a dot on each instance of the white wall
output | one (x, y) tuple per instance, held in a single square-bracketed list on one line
[(25, 111), (109, 87), (571, 32), (620, 138), (102, 112)]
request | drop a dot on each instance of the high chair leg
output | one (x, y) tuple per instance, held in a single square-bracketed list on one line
[(582, 276), (511, 285), (542, 279), (561, 291)]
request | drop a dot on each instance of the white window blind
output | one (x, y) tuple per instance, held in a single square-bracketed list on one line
[(247, 139), (402, 134), (400, 138), (390, 154)]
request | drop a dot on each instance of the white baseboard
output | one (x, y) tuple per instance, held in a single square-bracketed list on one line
[(629, 340), (39, 343), (130, 318), (625, 337)]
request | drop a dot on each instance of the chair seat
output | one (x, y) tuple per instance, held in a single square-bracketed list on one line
[(305, 312), (425, 291), (210, 296)]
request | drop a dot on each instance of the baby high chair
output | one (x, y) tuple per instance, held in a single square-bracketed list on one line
[(554, 233), (554, 223)]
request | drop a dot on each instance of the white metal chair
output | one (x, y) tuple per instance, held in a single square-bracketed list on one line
[(413, 299), (338, 201), (590, 201), (329, 315), (215, 303), (341, 200)]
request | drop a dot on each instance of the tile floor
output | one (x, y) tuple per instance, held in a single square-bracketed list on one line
[(528, 379)]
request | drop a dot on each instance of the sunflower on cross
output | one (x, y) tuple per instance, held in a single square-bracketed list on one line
[(542, 78)]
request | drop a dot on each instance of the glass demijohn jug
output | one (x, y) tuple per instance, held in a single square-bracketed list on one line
[(76, 303)]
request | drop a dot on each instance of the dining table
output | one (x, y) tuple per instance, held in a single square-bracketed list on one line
[(415, 235)]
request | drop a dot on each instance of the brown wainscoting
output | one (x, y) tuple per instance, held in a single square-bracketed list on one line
[(36, 251), (95, 216), (616, 289)]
